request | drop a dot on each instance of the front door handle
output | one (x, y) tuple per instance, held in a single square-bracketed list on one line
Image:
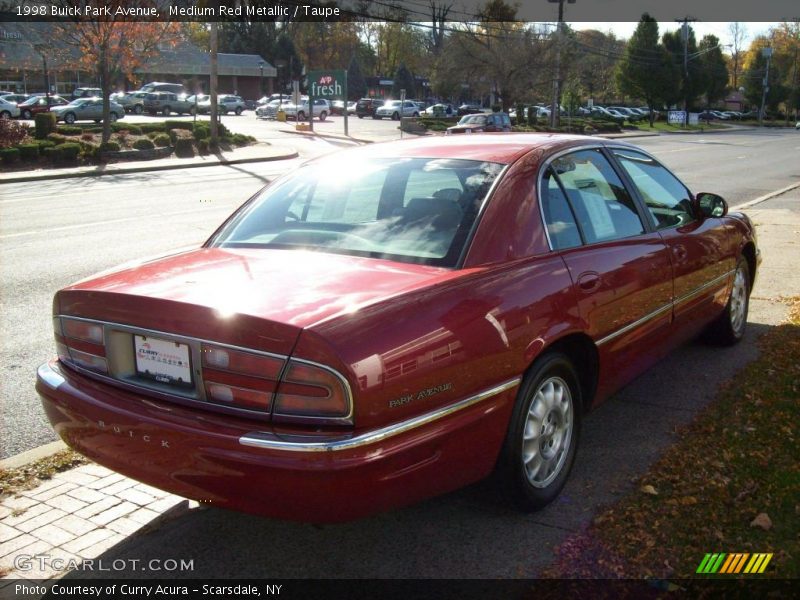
[(589, 282)]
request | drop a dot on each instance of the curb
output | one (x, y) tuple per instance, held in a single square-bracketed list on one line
[(766, 197), (32, 455), (143, 169), (614, 136)]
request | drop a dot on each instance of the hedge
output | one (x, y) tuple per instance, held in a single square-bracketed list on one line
[(143, 144), (29, 151), (161, 140), (69, 130), (170, 125), (57, 138), (184, 148), (109, 147), (67, 151), (152, 127), (9, 155), (45, 124), (202, 146), (130, 127), (44, 144)]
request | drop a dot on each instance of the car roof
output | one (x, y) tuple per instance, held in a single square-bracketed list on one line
[(503, 148)]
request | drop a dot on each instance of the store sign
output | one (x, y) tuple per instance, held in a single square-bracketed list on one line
[(330, 84), (676, 117)]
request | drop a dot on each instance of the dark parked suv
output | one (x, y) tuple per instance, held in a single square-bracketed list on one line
[(366, 107)]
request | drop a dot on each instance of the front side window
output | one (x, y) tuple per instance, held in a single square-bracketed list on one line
[(603, 207), (417, 210), (667, 199)]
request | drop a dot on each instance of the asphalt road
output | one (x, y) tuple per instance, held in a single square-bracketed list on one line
[(55, 232)]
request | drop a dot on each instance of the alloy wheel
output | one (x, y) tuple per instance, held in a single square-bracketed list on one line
[(547, 433)]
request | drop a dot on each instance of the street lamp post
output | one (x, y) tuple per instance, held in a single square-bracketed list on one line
[(261, 80)]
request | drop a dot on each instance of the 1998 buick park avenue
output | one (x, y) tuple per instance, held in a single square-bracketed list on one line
[(396, 321)]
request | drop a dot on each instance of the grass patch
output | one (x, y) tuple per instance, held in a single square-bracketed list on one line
[(737, 461), (13, 481), (666, 127)]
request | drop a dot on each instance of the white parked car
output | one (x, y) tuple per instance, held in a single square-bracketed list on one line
[(8, 109), (269, 110), (322, 108), (394, 109)]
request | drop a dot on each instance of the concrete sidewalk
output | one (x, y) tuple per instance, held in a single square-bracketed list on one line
[(259, 152), (81, 513)]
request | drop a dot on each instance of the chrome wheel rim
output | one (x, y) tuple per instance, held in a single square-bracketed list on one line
[(547, 434), (738, 301)]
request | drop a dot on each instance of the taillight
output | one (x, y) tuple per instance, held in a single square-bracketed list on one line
[(240, 379), (81, 343), (311, 391)]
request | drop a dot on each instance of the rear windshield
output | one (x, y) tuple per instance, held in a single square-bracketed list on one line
[(418, 210)]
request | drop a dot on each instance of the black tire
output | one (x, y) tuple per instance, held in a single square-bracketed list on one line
[(360, 116), (415, 115), (238, 110), (165, 111), (301, 116), (730, 326), (112, 117), (26, 114), (375, 117), (396, 116), (554, 443), (138, 109), (323, 115), (69, 118)]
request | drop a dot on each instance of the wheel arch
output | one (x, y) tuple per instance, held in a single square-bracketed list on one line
[(582, 351), (749, 253)]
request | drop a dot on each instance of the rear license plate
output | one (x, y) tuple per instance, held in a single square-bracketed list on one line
[(163, 361)]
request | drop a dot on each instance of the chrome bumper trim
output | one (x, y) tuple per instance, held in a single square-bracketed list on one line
[(50, 376), (270, 441)]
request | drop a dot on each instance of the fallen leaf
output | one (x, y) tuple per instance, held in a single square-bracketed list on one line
[(648, 489), (762, 520)]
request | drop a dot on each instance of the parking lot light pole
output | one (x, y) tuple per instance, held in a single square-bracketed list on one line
[(261, 79)]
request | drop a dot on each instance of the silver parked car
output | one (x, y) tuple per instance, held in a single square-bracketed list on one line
[(394, 109), (132, 102), (230, 103), (87, 109)]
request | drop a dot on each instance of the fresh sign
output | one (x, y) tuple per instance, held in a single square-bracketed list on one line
[(327, 84)]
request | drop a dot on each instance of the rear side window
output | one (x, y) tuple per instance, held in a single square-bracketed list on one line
[(562, 229), (602, 206)]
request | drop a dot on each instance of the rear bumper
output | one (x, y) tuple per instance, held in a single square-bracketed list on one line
[(234, 463)]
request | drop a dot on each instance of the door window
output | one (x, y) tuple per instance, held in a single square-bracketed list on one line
[(562, 230), (603, 207), (667, 199)]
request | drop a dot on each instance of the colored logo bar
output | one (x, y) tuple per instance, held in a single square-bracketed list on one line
[(734, 563)]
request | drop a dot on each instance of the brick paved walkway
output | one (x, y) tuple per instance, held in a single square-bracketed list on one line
[(76, 515)]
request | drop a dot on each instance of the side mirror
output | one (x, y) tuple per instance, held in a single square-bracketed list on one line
[(711, 205)]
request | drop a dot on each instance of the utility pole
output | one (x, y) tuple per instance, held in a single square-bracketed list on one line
[(766, 53), (555, 109), (685, 36), (212, 85)]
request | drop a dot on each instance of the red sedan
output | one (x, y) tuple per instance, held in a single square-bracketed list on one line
[(37, 104), (397, 321)]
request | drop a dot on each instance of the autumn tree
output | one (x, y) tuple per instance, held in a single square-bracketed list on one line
[(756, 71), (595, 63), (114, 49), (738, 35)]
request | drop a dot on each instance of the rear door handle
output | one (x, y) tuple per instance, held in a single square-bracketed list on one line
[(589, 282)]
